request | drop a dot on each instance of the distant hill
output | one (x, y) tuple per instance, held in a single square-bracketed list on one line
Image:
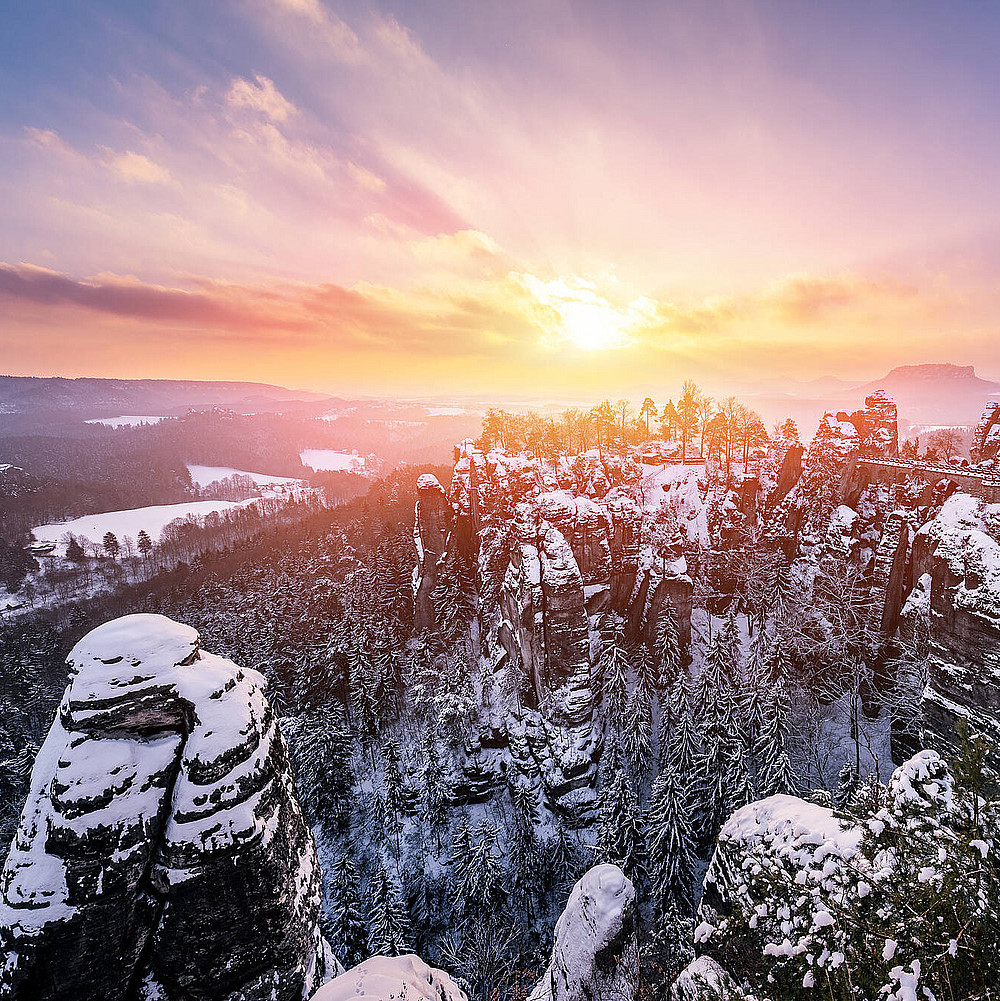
[(154, 397), (934, 394)]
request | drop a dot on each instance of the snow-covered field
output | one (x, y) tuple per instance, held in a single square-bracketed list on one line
[(328, 460), (202, 476), (126, 421), (124, 524)]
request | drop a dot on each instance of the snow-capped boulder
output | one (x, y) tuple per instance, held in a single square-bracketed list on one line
[(162, 842), (391, 978), (703, 979), (595, 956)]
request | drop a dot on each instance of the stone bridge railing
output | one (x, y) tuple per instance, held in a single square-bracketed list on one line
[(980, 483)]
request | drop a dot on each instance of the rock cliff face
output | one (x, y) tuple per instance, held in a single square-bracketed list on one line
[(161, 852), (958, 552), (986, 437), (595, 956), (432, 525), (557, 545)]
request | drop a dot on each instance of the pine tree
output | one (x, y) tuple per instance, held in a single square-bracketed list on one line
[(847, 786), (390, 924), (144, 543), (111, 545), (671, 842), (614, 667), (393, 785), (433, 787), (685, 745), (713, 773), (350, 934), (461, 851), (636, 730), (482, 891), (728, 659), (667, 646), (621, 838), (74, 551)]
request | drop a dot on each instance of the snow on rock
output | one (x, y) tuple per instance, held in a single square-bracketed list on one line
[(161, 839), (595, 956), (703, 979), (960, 551), (805, 841), (384, 978)]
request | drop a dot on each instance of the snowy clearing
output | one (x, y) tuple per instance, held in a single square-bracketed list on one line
[(329, 460), (202, 476), (129, 523), (126, 421)]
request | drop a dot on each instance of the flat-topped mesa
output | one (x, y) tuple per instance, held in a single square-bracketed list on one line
[(986, 437), (161, 852)]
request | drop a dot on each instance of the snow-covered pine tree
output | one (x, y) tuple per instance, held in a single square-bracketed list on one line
[(636, 730), (684, 749), (671, 842), (389, 929), (667, 646), (614, 666), (621, 838), (349, 931), (393, 779), (461, 851), (433, 787), (728, 656)]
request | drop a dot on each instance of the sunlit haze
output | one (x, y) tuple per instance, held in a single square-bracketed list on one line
[(521, 197)]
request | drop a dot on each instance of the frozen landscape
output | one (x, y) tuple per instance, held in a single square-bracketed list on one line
[(499, 501)]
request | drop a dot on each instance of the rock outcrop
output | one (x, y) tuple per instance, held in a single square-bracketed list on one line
[(960, 553), (986, 437), (703, 979), (595, 956), (557, 545), (384, 978), (161, 852), (432, 525)]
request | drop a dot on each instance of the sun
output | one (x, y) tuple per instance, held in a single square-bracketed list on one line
[(592, 325)]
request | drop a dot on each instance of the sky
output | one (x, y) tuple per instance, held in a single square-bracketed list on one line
[(533, 196)]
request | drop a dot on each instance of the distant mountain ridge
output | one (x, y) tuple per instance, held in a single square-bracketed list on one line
[(109, 397)]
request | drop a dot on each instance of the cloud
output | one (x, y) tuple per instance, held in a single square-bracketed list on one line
[(366, 179), (138, 169), (263, 97)]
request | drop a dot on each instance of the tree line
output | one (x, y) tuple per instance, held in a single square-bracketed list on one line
[(700, 425)]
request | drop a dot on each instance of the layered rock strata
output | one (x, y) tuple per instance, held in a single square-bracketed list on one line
[(161, 852)]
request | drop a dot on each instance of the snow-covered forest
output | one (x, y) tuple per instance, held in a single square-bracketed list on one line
[(612, 656)]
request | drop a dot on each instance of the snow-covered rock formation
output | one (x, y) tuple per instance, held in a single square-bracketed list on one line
[(703, 979), (595, 956), (860, 902), (549, 547), (960, 553), (986, 437), (385, 978), (161, 852)]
